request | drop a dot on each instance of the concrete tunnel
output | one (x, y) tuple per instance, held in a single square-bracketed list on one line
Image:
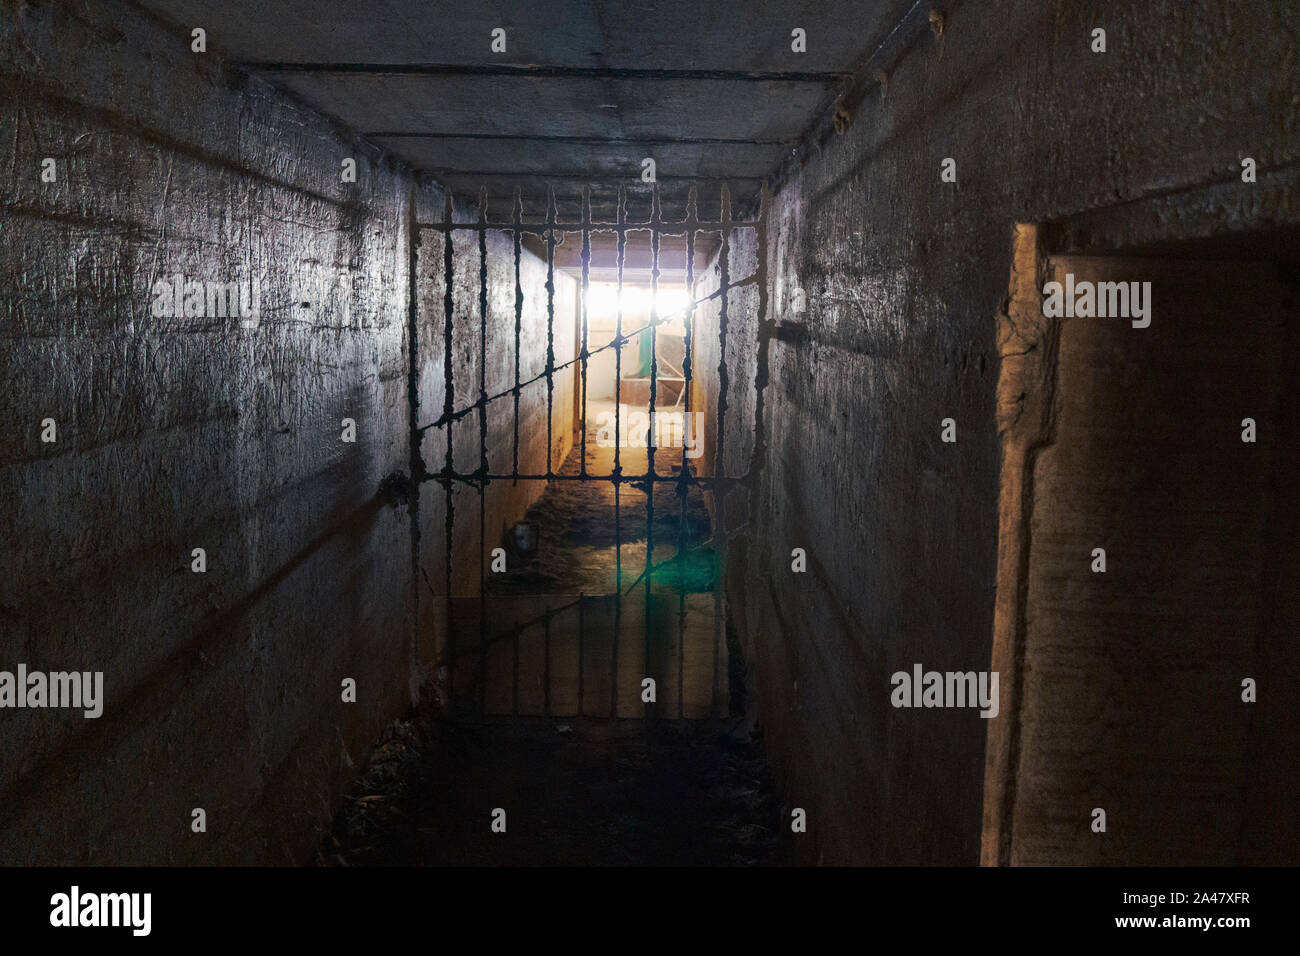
[(764, 434)]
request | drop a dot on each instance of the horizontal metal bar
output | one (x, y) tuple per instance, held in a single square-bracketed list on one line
[(615, 343), (544, 72), (543, 618), (540, 228), (474, 479)]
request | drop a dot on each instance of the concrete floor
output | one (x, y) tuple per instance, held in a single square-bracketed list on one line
[(574, 792), (562, 659)]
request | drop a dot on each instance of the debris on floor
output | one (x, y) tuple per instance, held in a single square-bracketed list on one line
[(630, 793)]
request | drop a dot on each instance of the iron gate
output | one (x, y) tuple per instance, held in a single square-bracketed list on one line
[(467, 677)]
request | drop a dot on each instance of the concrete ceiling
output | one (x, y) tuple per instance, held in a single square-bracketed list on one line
[(710, 89)]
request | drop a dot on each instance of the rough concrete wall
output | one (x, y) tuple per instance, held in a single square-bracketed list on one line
[(1132, 676), (222, 689), (729, 437), (903, 276)]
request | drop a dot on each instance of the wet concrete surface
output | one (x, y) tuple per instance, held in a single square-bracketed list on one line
[(580, 524), (571, 628)]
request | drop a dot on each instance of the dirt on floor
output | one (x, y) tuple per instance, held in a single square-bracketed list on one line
[(579, 538), (579, 792), (583, 790)]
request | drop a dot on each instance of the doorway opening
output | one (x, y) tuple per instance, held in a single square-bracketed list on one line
[(1149, 540)]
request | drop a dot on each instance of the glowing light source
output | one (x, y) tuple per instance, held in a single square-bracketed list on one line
[(603, 304)]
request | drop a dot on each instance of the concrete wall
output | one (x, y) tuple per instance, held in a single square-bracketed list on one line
[(727, 398), (904, 275), (222, 689), (1130, 674)]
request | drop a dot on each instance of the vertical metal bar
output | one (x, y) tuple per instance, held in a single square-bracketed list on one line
[(519, 323), (724, 378), (683, 476), (448, 405), (724, 382), (551, 216), (764, 338), (651, 440), (586, 279), (482, 335), (414, 435), (482, 435), (618, 381), (617, 473)]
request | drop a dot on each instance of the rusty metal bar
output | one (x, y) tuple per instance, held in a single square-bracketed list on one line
[(551, 231), (724, 382), (414, 436), (448, 403), (651, 428), (615, 344), (637, 481), (724, 378), (551, 215), (482, 435), (540, 619), (519, 319), (766, 329), (584, 293), (671, 227), (617, 473), (482, 338), (651, 436), (684, 474), (618, 376)]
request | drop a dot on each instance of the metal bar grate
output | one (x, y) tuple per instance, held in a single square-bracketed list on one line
[(449, 403), (683, 475), (551, 215), (617, 473), (483, 468), (506, 653)]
